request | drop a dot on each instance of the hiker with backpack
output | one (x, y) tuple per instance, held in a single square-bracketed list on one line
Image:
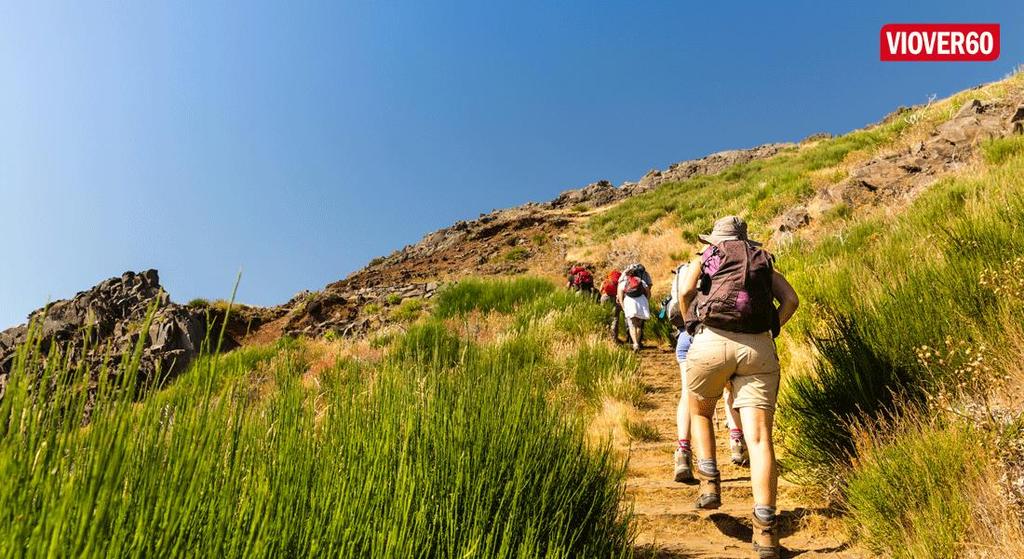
[(609, 298), (682, 457), (728, 298), (581, 280), (634, 292)]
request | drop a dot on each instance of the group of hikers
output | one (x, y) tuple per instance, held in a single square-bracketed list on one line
[(728, 304), (627, 294)]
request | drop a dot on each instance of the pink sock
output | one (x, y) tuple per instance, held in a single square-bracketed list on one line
[(684, 444), (736, 434)]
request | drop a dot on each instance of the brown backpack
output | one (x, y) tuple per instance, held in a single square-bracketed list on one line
[(736, 295)]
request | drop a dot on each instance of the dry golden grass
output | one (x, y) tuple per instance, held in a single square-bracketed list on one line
[(996, 528), (480, 327), (660, 250)]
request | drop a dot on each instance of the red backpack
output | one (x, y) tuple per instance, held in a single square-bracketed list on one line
[(634, 287), (581, 277), (611, 285), (736, 290)]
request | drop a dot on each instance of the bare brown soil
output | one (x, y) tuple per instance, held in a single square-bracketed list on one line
[(669, 524)]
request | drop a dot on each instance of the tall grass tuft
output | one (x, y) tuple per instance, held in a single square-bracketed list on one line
[(472, 294), (909, 494), (818, 411)]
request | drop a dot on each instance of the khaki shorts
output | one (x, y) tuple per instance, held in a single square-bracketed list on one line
[(749, 361)]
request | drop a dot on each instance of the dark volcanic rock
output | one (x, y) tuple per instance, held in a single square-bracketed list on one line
[(903, 174), (105, 322)]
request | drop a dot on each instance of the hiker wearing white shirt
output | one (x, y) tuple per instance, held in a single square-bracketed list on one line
[(633, 295)]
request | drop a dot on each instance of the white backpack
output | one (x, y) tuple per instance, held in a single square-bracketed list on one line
[(674, 315)]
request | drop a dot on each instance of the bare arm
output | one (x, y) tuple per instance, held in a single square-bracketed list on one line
[(688, 285), (619, 293), (786, 296)]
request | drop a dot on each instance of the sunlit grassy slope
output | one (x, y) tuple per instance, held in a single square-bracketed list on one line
[(450, 443), (907, 310)]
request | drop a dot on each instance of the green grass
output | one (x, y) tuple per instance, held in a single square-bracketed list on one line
[(880, 296), (446, 447), (485, 296), (199, 303), (759, 190), (910, 493), (408, 310), (514, 254), (639, 430), (999, 150)]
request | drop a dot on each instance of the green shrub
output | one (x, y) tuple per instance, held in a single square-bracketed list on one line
[(515, 254), (393, 299), (199, 303), (408, 310)]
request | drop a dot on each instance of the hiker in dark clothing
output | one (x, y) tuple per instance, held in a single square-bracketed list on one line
[(728, 297)]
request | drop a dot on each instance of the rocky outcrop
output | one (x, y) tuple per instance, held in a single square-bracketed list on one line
[(709, 165), (602, 193), (341, 311), (104, 324), (595, 194), (902, 175)]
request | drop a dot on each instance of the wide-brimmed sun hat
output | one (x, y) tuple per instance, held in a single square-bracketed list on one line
[(728, 228)]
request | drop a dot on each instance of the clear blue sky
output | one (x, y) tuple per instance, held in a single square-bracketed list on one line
[(296, 141)]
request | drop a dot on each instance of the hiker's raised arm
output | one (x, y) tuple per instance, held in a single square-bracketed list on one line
[(786, 296), (688, 285)]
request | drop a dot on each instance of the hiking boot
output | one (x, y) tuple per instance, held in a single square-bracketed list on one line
[(738, 449), (710, 496), (683, 470), (766, 538)]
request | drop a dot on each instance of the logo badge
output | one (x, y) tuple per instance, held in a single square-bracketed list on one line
[(939, 42)]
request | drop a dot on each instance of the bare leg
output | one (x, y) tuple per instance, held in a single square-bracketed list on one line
[(702, 426), (683, 410), (757, 430), (732, 417), (703, 432), (634, 325)]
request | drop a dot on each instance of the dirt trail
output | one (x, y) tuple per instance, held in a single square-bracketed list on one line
[(669, 524)]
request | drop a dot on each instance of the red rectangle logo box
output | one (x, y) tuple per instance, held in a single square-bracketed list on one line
[(939, 42)]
